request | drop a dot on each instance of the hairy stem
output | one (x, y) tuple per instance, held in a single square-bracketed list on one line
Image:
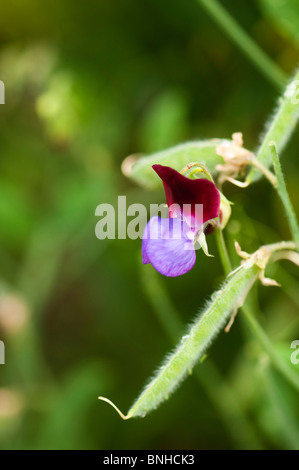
[(217, 388), (194, 344), (284, 196), (280, 126)]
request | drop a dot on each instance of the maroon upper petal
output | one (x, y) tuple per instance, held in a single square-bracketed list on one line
[(181, 190)]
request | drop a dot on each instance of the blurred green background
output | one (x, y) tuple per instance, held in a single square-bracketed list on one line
[(86, 85)]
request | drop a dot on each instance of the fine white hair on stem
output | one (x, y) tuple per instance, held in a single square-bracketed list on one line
[(193, 345)]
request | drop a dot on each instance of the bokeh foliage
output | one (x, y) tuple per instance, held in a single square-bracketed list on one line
[(86, 85)]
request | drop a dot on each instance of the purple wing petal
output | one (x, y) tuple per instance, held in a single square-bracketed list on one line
[(145, 258), (167, 247)]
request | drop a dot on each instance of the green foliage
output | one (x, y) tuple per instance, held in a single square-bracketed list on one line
[(86, 85), (176, 157)]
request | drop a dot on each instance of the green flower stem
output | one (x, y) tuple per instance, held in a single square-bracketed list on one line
[(280, 127), (257, 56), (166, 312), (284, 196), (222, 250), (278, 246), (280, 364), (258, 331), (218, 390)]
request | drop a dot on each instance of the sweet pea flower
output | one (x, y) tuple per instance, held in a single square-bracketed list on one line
[(169, 243)]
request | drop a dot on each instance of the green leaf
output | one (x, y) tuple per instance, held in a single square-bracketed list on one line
[(177, 157)]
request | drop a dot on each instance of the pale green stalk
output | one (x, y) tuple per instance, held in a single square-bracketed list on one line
[(242, 40), (284, 196), (280, 126)]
